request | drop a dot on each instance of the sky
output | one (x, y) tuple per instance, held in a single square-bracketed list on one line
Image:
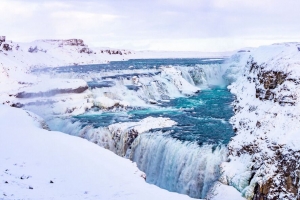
[(171, 25)]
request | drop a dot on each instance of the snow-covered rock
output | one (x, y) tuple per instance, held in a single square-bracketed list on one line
[(123, 134), (267, 123)]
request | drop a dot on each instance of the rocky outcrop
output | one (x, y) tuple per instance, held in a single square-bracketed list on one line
[(6, 47), (86, 50), (73, 42), (269, 84)]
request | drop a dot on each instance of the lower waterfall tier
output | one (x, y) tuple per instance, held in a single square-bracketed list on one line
[(177, 166)]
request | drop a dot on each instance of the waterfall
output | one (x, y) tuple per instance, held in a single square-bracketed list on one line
[(186, 74), (100, 136), (177, 166), (204, 75), (183, 167)]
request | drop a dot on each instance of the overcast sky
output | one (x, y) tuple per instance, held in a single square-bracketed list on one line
[(195, 25)]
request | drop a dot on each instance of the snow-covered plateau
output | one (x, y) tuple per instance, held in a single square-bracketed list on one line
[(260, 162)]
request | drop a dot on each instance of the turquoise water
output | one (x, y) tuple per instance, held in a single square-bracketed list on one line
[(184, 158), (202, 118), (134, 64)]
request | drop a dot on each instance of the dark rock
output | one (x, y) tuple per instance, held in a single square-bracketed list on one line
[(33, 49), (261, 192), (17, 105), (7, 47), (258, 124), (86, 50), (36, 49)]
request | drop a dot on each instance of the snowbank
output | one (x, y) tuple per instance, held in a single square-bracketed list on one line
[(41, 164), (223, 192)]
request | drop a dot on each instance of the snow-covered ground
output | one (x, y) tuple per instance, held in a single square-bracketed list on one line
[(39, 164)]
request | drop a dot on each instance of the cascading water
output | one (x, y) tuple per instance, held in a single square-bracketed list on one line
[(186, 157), (177, 166)]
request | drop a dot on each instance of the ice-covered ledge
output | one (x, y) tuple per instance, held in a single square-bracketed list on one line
[(49, 96), (51, 87)]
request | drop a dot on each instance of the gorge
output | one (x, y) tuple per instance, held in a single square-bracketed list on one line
[(204, 127)]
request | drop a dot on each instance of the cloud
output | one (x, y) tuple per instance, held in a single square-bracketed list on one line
[(205, 25)]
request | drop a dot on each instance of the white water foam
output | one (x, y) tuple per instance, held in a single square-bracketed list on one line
[(177, 166)]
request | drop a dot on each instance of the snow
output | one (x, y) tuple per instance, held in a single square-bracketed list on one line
[(31, 157), (142, 126), (224, 192), (78, 168)]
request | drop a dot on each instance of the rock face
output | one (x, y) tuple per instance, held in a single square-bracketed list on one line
[(264, 155), (269, 84)]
